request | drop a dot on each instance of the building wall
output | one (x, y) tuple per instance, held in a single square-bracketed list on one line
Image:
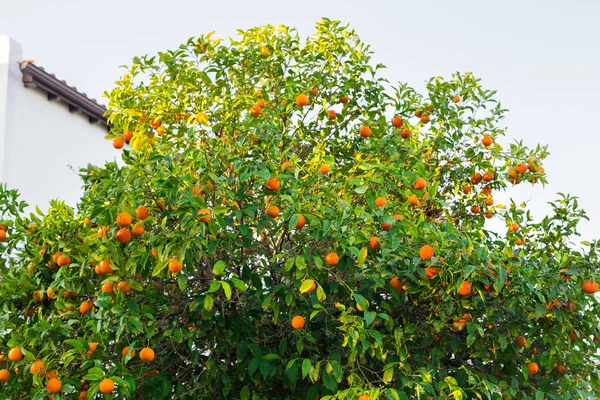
[(42, 144)]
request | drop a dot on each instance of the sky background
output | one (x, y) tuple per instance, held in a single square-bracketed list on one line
[(543, 58)]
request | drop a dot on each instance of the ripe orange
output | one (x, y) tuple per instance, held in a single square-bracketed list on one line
[(137, 230), (298, 322), (127, 136), (63, 260), (123, 285), (532, 368), (513, 227), (118, 143), (123, 235), (4, 375), (364, 397), (487, 141), (364, 131), (50, 293), (425, 119), (141, 213), (301, 100), (521, 341), (459, 325), (476, 178), (489, 201), (324, 169), (420, 184), (405, 133), (521, 168), (204, 214), (273, 211), (38, 297), (104, 267), (486, 190), (488, 176), (397, 121), (126, 350), (331, 114), (54, 385), (475, 209), (55, 257), (396, 284), (255, 110), (155, 122), (312, 287), (561, 369), (264, 50), (380, 201), (15, 354), (374, 243), (426, 252), (590, 286), (301, 221), (272, 184), (85, 306), (124, 219), (456, 98), (413, 200), (386, 226), (418, 113), (344, 99), (107, 288), (332, 259), (314, 90), (175, 266), (2, 235), (147, 354), (465, 288), (287, 165), (202, 118), (107, 386), (466, 189), (92, 347)]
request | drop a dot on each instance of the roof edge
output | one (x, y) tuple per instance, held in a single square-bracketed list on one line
[(34, 76)]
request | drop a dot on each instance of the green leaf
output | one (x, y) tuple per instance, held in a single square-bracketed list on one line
[(226, 289), (219, 267), (306, 285), (208, 302), (181, 282), (470, 339), (363, 256), (369, 317), (306, 365), (300, 262), (321, 296), (271, 357), (94, 374), (361, 189), (362, 302)]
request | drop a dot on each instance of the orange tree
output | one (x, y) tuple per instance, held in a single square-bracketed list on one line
[(286, 224)]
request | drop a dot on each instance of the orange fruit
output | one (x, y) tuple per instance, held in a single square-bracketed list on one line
[(513, 227), (123, 285), (486, 190), (475, 209), (331, 114), (487, 141), (255, 110), (476, 178), (123, 235), (312, 287), (532, 368), (521, 168), (332, 259), (465, 288), (590, 286), (107, 288), (4, 375), (104, 267), (15, 354), (364, 131), (314, 90), (38, 297), (344, 99), (521, 341), (418, 113), (301, 100), (413, 200), (204, 214), (137, 230), (118, 143), (426, 252), (127, 136), (264, 50), (126, 350), (147, 354), (420, 184), (364, 397), (489, 201), (324, 169), (85, 306), (488, 176), (459, 325), (396, 284), (155, 122), (141, 213), (55, 256), (202, 118), (2, 235), (380, 201), (175, 266), (272, 184), (466, 189), (50, 293), (63, 260), (107, 385), (287, 165), (273, 211), (301, 221), (298, 322), (153, 253), (386, 226), (92, 347), (54, 385), (397, 121), (456, 98), (124, 219), (261, 103), (397, 217), (425, 119), (405, 133), (374, 243), (102, 232)]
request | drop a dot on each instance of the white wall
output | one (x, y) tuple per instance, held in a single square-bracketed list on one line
[(42, 144)]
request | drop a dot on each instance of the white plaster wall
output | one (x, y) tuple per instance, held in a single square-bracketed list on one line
[(42, 144)]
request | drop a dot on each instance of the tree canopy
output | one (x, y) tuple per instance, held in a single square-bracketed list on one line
[(287, 224)]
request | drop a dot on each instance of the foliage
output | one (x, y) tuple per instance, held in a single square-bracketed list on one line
[(212, 125)]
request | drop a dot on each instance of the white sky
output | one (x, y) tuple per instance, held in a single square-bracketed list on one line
[(543, 57)]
